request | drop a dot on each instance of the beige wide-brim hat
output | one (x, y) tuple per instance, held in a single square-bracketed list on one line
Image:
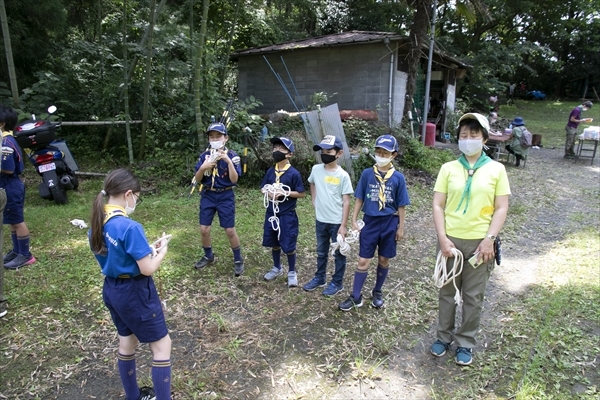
[(483, 121)]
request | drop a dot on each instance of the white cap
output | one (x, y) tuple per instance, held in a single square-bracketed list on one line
[(483, 121)]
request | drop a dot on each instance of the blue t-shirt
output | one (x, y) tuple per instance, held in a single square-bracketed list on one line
[(11, 162), (126, 243), (222, 178), (367, 190), (291, 178)]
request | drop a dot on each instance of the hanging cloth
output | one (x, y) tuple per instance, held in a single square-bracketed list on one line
[(111, 210), (382, 179), (481, 161), (278, 172)]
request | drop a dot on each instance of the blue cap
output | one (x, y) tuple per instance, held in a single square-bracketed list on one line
[(518, 121), (387, 142), (287, 143), (329, 142), (217, 127)]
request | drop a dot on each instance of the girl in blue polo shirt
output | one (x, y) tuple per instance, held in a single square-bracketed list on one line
[(128, 261), (381, 195)]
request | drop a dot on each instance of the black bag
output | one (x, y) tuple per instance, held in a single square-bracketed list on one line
[(498, 250)]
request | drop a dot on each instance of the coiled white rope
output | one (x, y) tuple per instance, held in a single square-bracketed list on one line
[(213, 156), (442, 275), (343, 244), (273, 194)]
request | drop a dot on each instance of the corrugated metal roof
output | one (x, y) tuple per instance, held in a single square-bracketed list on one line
[(336, 39)]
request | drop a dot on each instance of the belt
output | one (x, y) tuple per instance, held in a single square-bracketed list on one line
[(125, 276), (219, 189)]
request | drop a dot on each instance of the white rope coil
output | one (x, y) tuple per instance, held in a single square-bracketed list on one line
[(273, 194), (343, 244), (213, 156), (442, 275)]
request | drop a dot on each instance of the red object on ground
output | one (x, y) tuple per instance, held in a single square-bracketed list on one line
[(365, 115)]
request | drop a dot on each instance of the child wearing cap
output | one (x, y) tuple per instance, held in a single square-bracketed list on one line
[(218, 170), (330, 189), (514, 147), (282, 185), (381, 194)]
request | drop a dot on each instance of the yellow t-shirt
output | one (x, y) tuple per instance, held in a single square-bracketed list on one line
[(488, 182)]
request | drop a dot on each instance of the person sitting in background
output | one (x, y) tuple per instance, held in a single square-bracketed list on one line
[(514, 147)]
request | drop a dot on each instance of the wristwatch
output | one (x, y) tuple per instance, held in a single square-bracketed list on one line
[(491, 237)]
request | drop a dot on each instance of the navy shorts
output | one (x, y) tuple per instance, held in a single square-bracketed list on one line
[(15, 201), (135, 307), (288, 226), (217, 202), (379, 233)]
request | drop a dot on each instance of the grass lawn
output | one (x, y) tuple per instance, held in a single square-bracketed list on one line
[(245, 338)]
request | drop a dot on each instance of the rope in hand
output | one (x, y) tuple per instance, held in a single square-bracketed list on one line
[(343, 244), (442, 275), (274, 194), (213, 156)]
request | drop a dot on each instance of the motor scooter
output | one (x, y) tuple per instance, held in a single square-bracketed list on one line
[(51, 157)]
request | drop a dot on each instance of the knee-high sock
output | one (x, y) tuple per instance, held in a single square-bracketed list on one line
[(359, 280), (128, 375), (276, 253), (292, 261), (23, 245), (237, 254), (161, 378), (15, 242), (381, 275)]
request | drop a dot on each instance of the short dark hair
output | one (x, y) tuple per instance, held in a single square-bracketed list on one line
[(8, 116), (588, 104)]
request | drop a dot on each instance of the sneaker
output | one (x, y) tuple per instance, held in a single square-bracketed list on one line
[(464, 356), (570, 156), (20, 261), (8, 257), (238, 268), (147, 393), (292, 279), (313, 284), (332, 289), (273, 273), (204, 262), (3, 312), (439, 348), (350, 303), (377, 299)]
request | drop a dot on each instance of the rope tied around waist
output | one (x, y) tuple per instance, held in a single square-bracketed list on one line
[(442, 275)]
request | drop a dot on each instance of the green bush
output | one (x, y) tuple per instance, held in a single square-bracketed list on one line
[(417, 156)]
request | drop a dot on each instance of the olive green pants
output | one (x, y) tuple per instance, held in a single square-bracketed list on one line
[(472, 283)]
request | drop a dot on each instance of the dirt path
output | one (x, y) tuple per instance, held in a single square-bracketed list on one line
[(268, 350)]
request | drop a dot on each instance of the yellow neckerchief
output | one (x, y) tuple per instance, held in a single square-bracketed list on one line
[(278, 172), (112, 210), (382, 181), (7, 133)]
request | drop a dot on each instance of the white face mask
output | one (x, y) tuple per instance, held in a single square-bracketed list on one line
[(217, 145), (128, 209), (470, 147), (382, 161)]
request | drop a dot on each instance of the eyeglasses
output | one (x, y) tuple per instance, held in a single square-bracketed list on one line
[(138, 199)]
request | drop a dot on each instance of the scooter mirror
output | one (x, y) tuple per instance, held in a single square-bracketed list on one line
[(51, 109)]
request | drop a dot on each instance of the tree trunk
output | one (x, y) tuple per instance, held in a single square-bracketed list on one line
[(418, 37), (198, 75), (9, 58), (147, 83), (126, 84), (228, 48)]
